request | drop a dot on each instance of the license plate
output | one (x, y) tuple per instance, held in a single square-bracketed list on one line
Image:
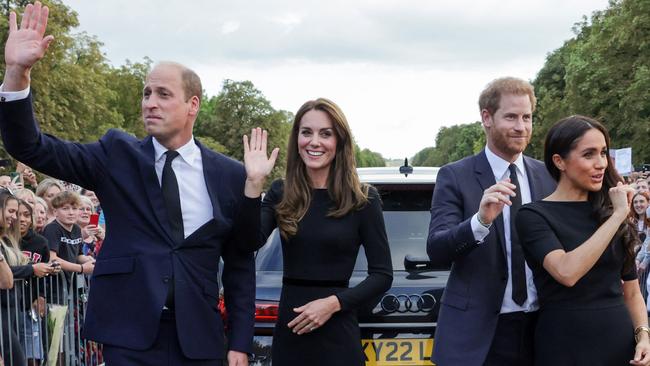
[(393, 352)]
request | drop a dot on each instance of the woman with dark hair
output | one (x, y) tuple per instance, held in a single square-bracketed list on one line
[(324, 214), (580, 245)]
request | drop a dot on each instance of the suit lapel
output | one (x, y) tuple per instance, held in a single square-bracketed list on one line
[(534, 181), (486, 179), (212, 178), (152, 186)]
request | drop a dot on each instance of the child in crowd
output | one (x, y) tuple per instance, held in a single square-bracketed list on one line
[(64, 235)]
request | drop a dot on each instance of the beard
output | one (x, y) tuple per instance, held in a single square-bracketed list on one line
[(507, 144)]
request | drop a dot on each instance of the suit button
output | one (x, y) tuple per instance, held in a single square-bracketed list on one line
[(165, 279)]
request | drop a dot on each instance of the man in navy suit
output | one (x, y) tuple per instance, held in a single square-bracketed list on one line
[(487, 312), (174, 208)]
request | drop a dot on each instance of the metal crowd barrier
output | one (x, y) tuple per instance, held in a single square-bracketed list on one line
[(51, 335)]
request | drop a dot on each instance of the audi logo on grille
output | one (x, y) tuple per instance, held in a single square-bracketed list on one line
[(404, 303)]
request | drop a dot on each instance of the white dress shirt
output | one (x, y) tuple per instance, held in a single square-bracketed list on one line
[(500, 171), (196, 205)]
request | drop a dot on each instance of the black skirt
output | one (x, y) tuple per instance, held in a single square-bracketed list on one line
[(584, 337), (337, 342)]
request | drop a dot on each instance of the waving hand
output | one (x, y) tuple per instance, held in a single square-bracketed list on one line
[(258, 164), (25, 45)]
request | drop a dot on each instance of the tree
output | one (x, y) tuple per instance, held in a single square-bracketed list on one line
[(602, 73), (237, 109), (367, 158), (71, 83), (128, 82), (452, 143), (79, 95)]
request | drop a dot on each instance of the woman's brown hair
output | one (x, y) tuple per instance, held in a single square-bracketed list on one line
[(343, 183), (634, 218)]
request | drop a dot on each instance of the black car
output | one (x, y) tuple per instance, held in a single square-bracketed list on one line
[(397, 328)]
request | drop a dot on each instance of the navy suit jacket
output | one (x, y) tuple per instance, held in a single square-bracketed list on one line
[(473, 296), (139, 257)]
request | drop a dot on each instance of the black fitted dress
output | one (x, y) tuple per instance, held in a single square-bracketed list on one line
[(318, 262), (589, 323)]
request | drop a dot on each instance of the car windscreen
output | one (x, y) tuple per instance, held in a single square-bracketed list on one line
[(406, 216)]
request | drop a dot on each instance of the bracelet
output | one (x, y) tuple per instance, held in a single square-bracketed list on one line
[(82, 268), (638, 330), (478, 218)]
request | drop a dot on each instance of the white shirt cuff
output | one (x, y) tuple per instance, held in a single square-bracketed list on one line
[(10, 96), (479, 231)]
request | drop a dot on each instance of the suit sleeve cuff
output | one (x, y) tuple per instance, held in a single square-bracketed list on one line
[(7, 96), (479, 231)]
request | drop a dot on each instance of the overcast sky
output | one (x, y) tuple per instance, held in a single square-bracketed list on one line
[(399, 69)]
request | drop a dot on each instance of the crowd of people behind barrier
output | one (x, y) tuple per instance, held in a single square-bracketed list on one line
[(50, 233), (640, 216)]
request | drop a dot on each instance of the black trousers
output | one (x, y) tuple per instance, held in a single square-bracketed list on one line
[(513, 340), (166, 350)]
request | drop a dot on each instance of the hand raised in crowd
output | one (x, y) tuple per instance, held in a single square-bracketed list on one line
[(90, 231), (28, 175), (493, 200), (25, 45), (258, 164), (621, 196), (314, 314), (15, 186), (101, 233)]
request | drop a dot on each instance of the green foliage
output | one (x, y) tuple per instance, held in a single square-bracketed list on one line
[(128, 82), (452, 143), (237, 109), (602, 73), (367, 158)]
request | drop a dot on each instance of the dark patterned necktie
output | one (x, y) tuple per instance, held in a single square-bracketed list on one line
[(517, 263)]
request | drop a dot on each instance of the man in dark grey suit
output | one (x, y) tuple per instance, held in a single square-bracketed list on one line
[(487, 312)]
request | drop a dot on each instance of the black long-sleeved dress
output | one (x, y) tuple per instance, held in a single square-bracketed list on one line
[(318, 262)]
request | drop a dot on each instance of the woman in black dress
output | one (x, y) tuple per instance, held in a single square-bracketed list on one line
[(324, 215), (580, 245)]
